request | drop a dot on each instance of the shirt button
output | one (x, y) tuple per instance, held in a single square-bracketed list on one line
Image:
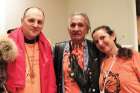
[(93, 90)]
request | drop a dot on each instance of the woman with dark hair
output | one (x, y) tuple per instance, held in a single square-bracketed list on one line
[(120, 69)]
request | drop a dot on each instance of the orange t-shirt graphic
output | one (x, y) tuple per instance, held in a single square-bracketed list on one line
[(121, 78)]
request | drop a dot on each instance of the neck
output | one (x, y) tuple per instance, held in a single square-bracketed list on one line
[(77, 44), (31, 41), (113, 52)]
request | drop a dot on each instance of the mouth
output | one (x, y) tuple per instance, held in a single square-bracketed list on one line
[(76, 34), (101, 47), (35, 30)]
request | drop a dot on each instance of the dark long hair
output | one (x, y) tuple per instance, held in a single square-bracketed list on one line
[(122, 52)]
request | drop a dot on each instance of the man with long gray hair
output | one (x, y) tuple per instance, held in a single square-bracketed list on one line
[(77, 61)]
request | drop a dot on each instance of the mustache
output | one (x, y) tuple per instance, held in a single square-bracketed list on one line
[(8, 49), (76, 33)]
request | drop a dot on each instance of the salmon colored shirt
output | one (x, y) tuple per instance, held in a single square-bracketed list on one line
[(124, 76), (32, 84), (70, 85)]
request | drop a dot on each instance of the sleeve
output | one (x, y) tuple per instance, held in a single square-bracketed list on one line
[(136, 64), (52, 78)]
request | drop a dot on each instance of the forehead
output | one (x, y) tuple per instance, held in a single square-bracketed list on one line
[(99, 33), (34, 13), (77, 19)]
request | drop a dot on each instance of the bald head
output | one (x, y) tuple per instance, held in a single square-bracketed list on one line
[(36, 9)]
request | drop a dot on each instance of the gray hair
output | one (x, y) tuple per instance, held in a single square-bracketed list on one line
[(83, 15)]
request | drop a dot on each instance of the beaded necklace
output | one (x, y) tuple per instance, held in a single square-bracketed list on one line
[(30, 61)]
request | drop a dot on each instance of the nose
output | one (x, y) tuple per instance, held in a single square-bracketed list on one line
[(35, 24), (100, 42), (76, 28)]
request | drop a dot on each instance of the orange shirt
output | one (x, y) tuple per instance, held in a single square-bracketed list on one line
[(123, 77), (32, 84), (70, 85)]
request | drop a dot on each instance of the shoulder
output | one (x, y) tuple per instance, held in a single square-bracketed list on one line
[(89, 41), (93, 50), (91, 45), (136, 54), (59, 48), (15, 34), (61, 44)]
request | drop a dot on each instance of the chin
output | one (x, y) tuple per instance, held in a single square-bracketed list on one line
[(104, 51), (77, 38), (34, 35)]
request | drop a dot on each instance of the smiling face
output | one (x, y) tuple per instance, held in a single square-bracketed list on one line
[(78, 28), (32, 23), (104, 41)]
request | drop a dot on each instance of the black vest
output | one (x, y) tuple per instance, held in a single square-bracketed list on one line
[(93, 68)]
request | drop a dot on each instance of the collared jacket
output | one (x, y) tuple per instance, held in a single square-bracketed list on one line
[(93, 66)]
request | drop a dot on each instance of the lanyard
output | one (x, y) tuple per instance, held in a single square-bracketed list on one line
[(107, 74)]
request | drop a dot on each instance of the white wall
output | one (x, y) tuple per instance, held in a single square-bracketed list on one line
[(55, 11), (119, 14), (2, 18), (138, 24)]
